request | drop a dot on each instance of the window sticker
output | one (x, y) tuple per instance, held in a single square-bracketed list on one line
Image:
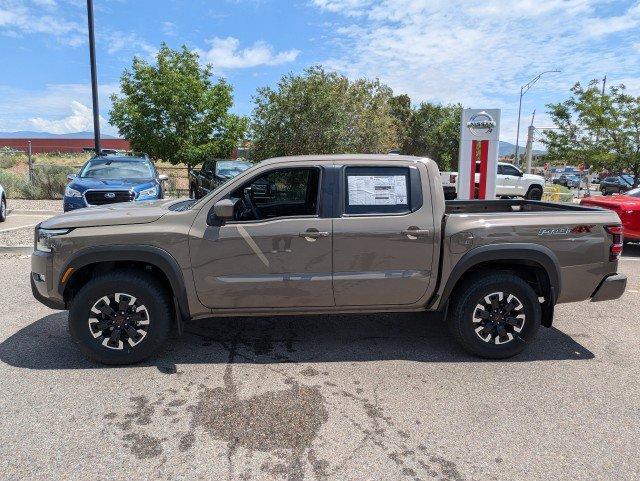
[(377, 189)]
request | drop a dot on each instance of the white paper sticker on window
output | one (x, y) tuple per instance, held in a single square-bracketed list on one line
[(377, 190)]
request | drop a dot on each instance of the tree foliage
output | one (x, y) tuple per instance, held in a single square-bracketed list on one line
[(600, 130), (322, 112), (174, 111), (430, 130)]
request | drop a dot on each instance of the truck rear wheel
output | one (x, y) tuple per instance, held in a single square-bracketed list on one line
[(122, 317), (495, 315)]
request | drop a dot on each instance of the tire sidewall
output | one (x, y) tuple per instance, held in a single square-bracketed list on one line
[(147, 293), (3, 209), (472, 296)]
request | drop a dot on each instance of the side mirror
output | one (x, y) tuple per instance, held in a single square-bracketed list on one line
[(163, 177), (70, 177), (224, 209)]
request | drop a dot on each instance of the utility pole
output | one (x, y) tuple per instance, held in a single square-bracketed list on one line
[(529, 151), (94, 78), (523, 90)]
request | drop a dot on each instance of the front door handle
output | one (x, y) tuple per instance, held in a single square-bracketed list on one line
[(414, 233), (313, 234)]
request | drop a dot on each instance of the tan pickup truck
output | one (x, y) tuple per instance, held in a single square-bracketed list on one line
[(323, 234)]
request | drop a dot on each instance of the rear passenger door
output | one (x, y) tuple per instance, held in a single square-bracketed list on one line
[(383, 236)]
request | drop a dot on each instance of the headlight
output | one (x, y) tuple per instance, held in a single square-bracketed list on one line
[(148, 192), (44, 236), (69, 192)]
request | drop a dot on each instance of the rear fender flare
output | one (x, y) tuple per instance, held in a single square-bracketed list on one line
[(507, 252)]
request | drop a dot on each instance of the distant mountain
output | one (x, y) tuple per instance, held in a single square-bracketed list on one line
[(27, 134), (507, 148)]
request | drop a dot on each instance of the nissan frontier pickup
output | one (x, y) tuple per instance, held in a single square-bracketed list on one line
[(323, 234)]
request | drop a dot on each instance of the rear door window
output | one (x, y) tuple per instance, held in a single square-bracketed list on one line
[(377, 190)]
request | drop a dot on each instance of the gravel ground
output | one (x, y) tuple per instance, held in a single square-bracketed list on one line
[(20, 237), (385, 397), (34, 204)]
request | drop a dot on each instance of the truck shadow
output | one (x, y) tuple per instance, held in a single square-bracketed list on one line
[(46, 344)]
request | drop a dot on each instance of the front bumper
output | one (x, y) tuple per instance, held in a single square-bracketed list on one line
[(42, 281), (611, 287)]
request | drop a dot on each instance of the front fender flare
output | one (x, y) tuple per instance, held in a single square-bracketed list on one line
[(140, 253)]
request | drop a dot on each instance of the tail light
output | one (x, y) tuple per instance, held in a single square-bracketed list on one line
[(616, 247), (453, 178)]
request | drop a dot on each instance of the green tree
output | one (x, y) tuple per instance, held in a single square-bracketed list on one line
[(174, 111), (599, 129), (430, 130), (322, 112)]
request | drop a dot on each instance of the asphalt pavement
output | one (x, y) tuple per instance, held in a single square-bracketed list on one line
[(383, 397)]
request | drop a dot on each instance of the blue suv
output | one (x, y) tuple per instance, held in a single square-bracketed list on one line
[(110, 179)]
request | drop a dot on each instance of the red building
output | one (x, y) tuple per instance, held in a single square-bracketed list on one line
[(39, 146)]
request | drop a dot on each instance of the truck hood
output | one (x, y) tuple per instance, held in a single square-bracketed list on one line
[(533, 177), (114, 214)]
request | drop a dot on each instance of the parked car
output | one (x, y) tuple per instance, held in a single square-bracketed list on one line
[(510, 182), (626, 205), (112, 179), (3, 205), (571, 181), (323, 234), (213, 174), (616, 184)]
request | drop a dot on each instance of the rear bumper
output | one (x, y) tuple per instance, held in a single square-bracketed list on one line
[(611, 287)]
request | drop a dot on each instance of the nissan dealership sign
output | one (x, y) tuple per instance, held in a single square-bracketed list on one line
[(478, 161)]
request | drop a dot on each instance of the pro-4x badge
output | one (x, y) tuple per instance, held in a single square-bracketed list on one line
[(553, 231)]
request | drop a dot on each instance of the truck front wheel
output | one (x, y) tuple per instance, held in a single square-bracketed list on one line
[(122, 317), (535, 193), (495, 315)]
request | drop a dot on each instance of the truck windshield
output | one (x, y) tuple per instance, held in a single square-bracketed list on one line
[(229, 169), (106, 168)]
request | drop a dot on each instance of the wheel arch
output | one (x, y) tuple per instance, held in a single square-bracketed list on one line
[(88, 261), (536, 264)]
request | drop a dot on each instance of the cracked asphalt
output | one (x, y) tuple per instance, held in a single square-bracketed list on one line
[(386, 397)]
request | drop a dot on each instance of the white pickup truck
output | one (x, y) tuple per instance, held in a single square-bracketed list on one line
[(511, 182)]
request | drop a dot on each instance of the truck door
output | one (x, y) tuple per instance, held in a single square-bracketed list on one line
[(512, 180), (277, 250), (383, 238)]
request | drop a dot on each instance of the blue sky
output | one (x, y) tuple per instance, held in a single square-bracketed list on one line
[(477, 52)]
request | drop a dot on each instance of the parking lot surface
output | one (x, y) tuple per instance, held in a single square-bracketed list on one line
[(384, 397)]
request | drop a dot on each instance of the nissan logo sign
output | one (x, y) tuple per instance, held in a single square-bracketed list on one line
[(481, 123), (110, 195)]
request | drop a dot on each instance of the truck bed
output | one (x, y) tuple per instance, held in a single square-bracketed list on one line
[(509, 205)]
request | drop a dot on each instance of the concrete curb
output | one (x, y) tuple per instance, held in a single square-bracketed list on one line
[(24, 250), (33, 212)]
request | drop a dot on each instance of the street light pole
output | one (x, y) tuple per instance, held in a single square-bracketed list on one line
[(94, 78), (523, 90)]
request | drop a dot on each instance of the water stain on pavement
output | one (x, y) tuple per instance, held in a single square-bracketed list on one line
[(280, 428)]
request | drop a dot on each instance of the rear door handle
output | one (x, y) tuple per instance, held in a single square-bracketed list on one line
[(313, 234), (416, 232)]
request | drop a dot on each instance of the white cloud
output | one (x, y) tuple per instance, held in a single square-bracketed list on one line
[(225, 53), (18, 17), (58, 108), (169, 28), (479, 52), (80, 120)]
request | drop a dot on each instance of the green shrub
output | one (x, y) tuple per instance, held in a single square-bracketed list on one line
[(10, 157), (49, 182), (14, 184)]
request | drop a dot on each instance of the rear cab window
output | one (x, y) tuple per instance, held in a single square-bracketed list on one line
[(381, 190)]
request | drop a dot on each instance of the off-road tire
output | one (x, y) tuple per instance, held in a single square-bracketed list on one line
[(534, 193), (149, 293), (471, 293)]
